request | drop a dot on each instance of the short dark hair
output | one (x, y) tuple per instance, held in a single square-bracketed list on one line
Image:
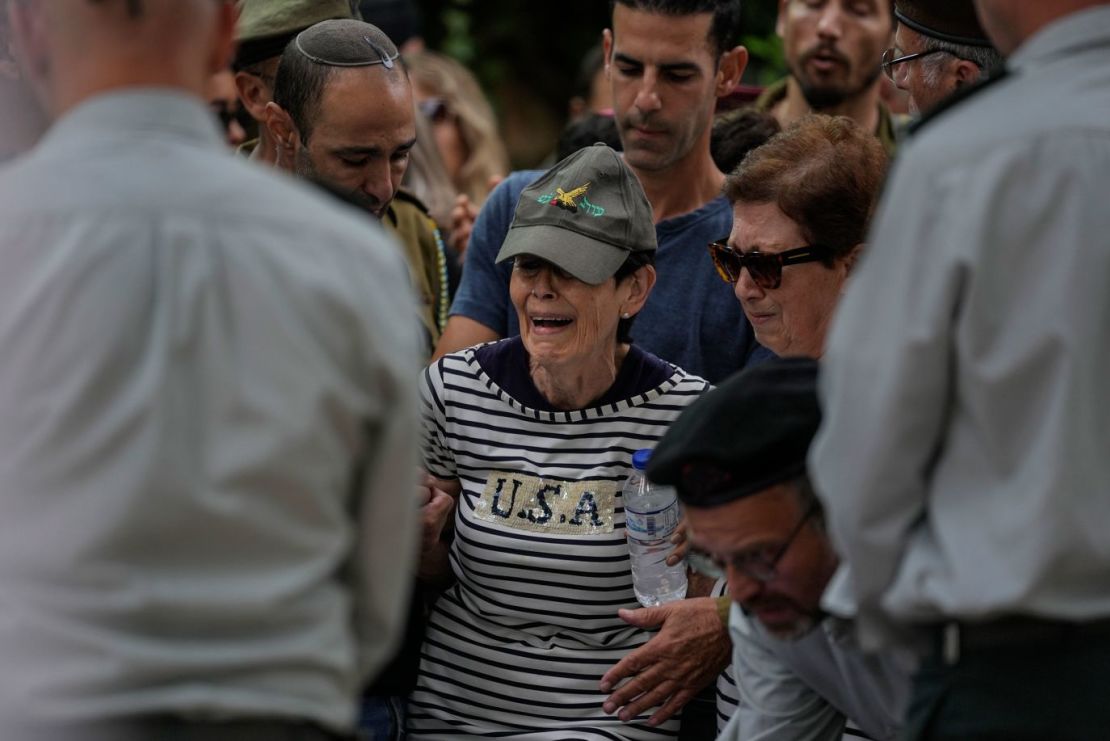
[(298, 87), (738, 132), (585, 132), (724, 32), (824, 172)]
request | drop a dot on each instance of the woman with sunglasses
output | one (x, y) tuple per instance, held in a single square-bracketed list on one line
[(801, 206)]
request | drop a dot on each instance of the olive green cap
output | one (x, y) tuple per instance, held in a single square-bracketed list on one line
[(586, 215), (266, 26)]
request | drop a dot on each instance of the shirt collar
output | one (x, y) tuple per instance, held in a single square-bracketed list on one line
[(1075, 31), (127, 114)]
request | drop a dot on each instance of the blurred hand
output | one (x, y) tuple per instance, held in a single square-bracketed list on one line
[(682, 544), (463, 216), (435, 513), (424, 487), (689, 651), (462, 223)]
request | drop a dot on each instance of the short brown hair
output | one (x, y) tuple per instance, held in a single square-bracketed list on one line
[(823, 172)]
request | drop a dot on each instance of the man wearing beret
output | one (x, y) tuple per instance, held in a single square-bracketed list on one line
[(265, 27), (737, 459), (939, 48)]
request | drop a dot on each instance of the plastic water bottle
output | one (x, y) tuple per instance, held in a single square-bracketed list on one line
[(651, 516)]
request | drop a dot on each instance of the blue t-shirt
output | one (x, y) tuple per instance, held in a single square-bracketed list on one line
[(691, 319)]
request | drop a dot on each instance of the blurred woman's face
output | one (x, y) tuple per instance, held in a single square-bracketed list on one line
[(564, 321), (445, 127), (793, 319), (223, 99)]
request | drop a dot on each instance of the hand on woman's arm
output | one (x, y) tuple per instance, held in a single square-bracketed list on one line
[(438, 498), (691, 648)]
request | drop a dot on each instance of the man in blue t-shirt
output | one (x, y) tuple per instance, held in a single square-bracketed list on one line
[(667, 65)]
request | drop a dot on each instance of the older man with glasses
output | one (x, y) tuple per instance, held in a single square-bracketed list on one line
[(939, 48), (737, 458)]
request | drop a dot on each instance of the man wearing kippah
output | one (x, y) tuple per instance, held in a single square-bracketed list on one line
[(737, 459), (265, 27), (343, 117), (939, 48)]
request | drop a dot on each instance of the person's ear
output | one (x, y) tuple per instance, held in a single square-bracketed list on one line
[(851, 258), (282, 130), (733, 63), (640, 284), (607, 48), (254, 94), (967, 73)]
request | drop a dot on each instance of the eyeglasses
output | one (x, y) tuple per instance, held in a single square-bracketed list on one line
[(760, 564), (765, 268), (890, 61)]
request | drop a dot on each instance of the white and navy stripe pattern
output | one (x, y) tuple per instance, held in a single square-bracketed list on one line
[(517, 647), (728, 696)]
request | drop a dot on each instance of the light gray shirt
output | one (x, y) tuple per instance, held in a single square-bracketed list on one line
[(806, 689), (964, 459), (207, 430)]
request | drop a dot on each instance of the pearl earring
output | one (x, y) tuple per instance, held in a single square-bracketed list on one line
[(625, 315)]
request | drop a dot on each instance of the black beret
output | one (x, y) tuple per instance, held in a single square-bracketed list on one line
[(953, 21), (750, 433)]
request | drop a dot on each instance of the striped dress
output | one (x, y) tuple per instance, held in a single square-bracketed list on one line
[(517, 647)]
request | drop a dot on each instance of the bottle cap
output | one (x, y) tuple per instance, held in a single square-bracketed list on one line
[(640, 459)]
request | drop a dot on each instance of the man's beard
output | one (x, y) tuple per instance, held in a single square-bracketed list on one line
[(826, 97), (304, 168), (799, 628)]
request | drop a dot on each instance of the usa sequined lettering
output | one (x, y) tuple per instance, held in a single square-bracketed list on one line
[(547, 505)]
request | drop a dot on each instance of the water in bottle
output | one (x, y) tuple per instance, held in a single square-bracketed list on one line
[(651, 516)]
